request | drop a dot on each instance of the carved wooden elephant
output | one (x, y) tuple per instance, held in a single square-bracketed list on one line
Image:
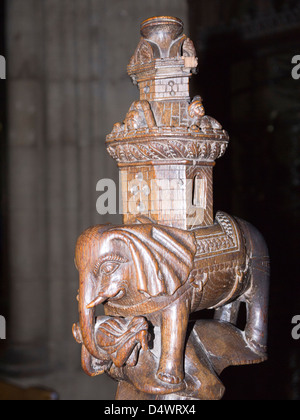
[(164, 274)]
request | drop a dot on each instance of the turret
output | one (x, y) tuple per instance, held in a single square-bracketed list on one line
[(167, 146)]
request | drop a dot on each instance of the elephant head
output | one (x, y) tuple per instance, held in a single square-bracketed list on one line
[(129, 264)]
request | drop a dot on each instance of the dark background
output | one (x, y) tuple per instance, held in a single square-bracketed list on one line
[(245, 52), (245, 80), (3, 174)]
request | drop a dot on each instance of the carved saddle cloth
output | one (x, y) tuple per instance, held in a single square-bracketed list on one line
[(220, 261), (223, 237)]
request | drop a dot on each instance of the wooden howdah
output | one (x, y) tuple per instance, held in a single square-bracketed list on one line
[(172, 256)]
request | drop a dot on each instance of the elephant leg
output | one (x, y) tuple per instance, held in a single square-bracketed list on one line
[(257, 306), (173, 333), (228, 313), (257, 296)]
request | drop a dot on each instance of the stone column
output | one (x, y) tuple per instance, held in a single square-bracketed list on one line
[(28, 319)]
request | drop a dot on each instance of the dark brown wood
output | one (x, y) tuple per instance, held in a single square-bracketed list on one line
[(171, 257)]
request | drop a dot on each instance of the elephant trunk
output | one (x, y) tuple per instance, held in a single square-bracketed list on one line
[(87, 317)]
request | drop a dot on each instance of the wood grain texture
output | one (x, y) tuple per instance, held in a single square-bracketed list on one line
[(172, 256)]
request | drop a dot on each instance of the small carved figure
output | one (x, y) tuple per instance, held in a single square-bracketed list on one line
[(199, 119), (188, 48), (189, 55)]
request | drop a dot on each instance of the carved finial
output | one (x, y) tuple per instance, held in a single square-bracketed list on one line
[(163, 52), (164, 33)]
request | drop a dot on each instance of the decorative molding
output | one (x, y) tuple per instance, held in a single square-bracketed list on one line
[(166, 147)]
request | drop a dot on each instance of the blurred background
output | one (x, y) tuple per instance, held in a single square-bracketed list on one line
[(66, 86)]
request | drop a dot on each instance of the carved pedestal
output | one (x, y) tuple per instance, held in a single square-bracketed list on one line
[(172, 256)]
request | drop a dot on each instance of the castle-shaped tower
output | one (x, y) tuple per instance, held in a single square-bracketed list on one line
[(166, 147)]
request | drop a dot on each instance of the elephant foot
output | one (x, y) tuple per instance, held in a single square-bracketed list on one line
[(170, 378), (144, 378), (257, 348)]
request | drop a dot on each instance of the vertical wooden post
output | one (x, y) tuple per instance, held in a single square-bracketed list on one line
[(171, 256)]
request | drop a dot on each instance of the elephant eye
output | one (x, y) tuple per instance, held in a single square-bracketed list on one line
[(109, 267)]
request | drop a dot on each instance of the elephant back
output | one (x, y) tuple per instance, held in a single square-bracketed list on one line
[(221, 263)]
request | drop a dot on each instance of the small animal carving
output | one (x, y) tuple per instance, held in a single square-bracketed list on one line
[(139, 116)]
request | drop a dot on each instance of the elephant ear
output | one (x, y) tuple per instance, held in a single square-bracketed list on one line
[(175, 250), (163, 257)]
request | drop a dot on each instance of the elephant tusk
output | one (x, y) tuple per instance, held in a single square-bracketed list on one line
[(96, 302)]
